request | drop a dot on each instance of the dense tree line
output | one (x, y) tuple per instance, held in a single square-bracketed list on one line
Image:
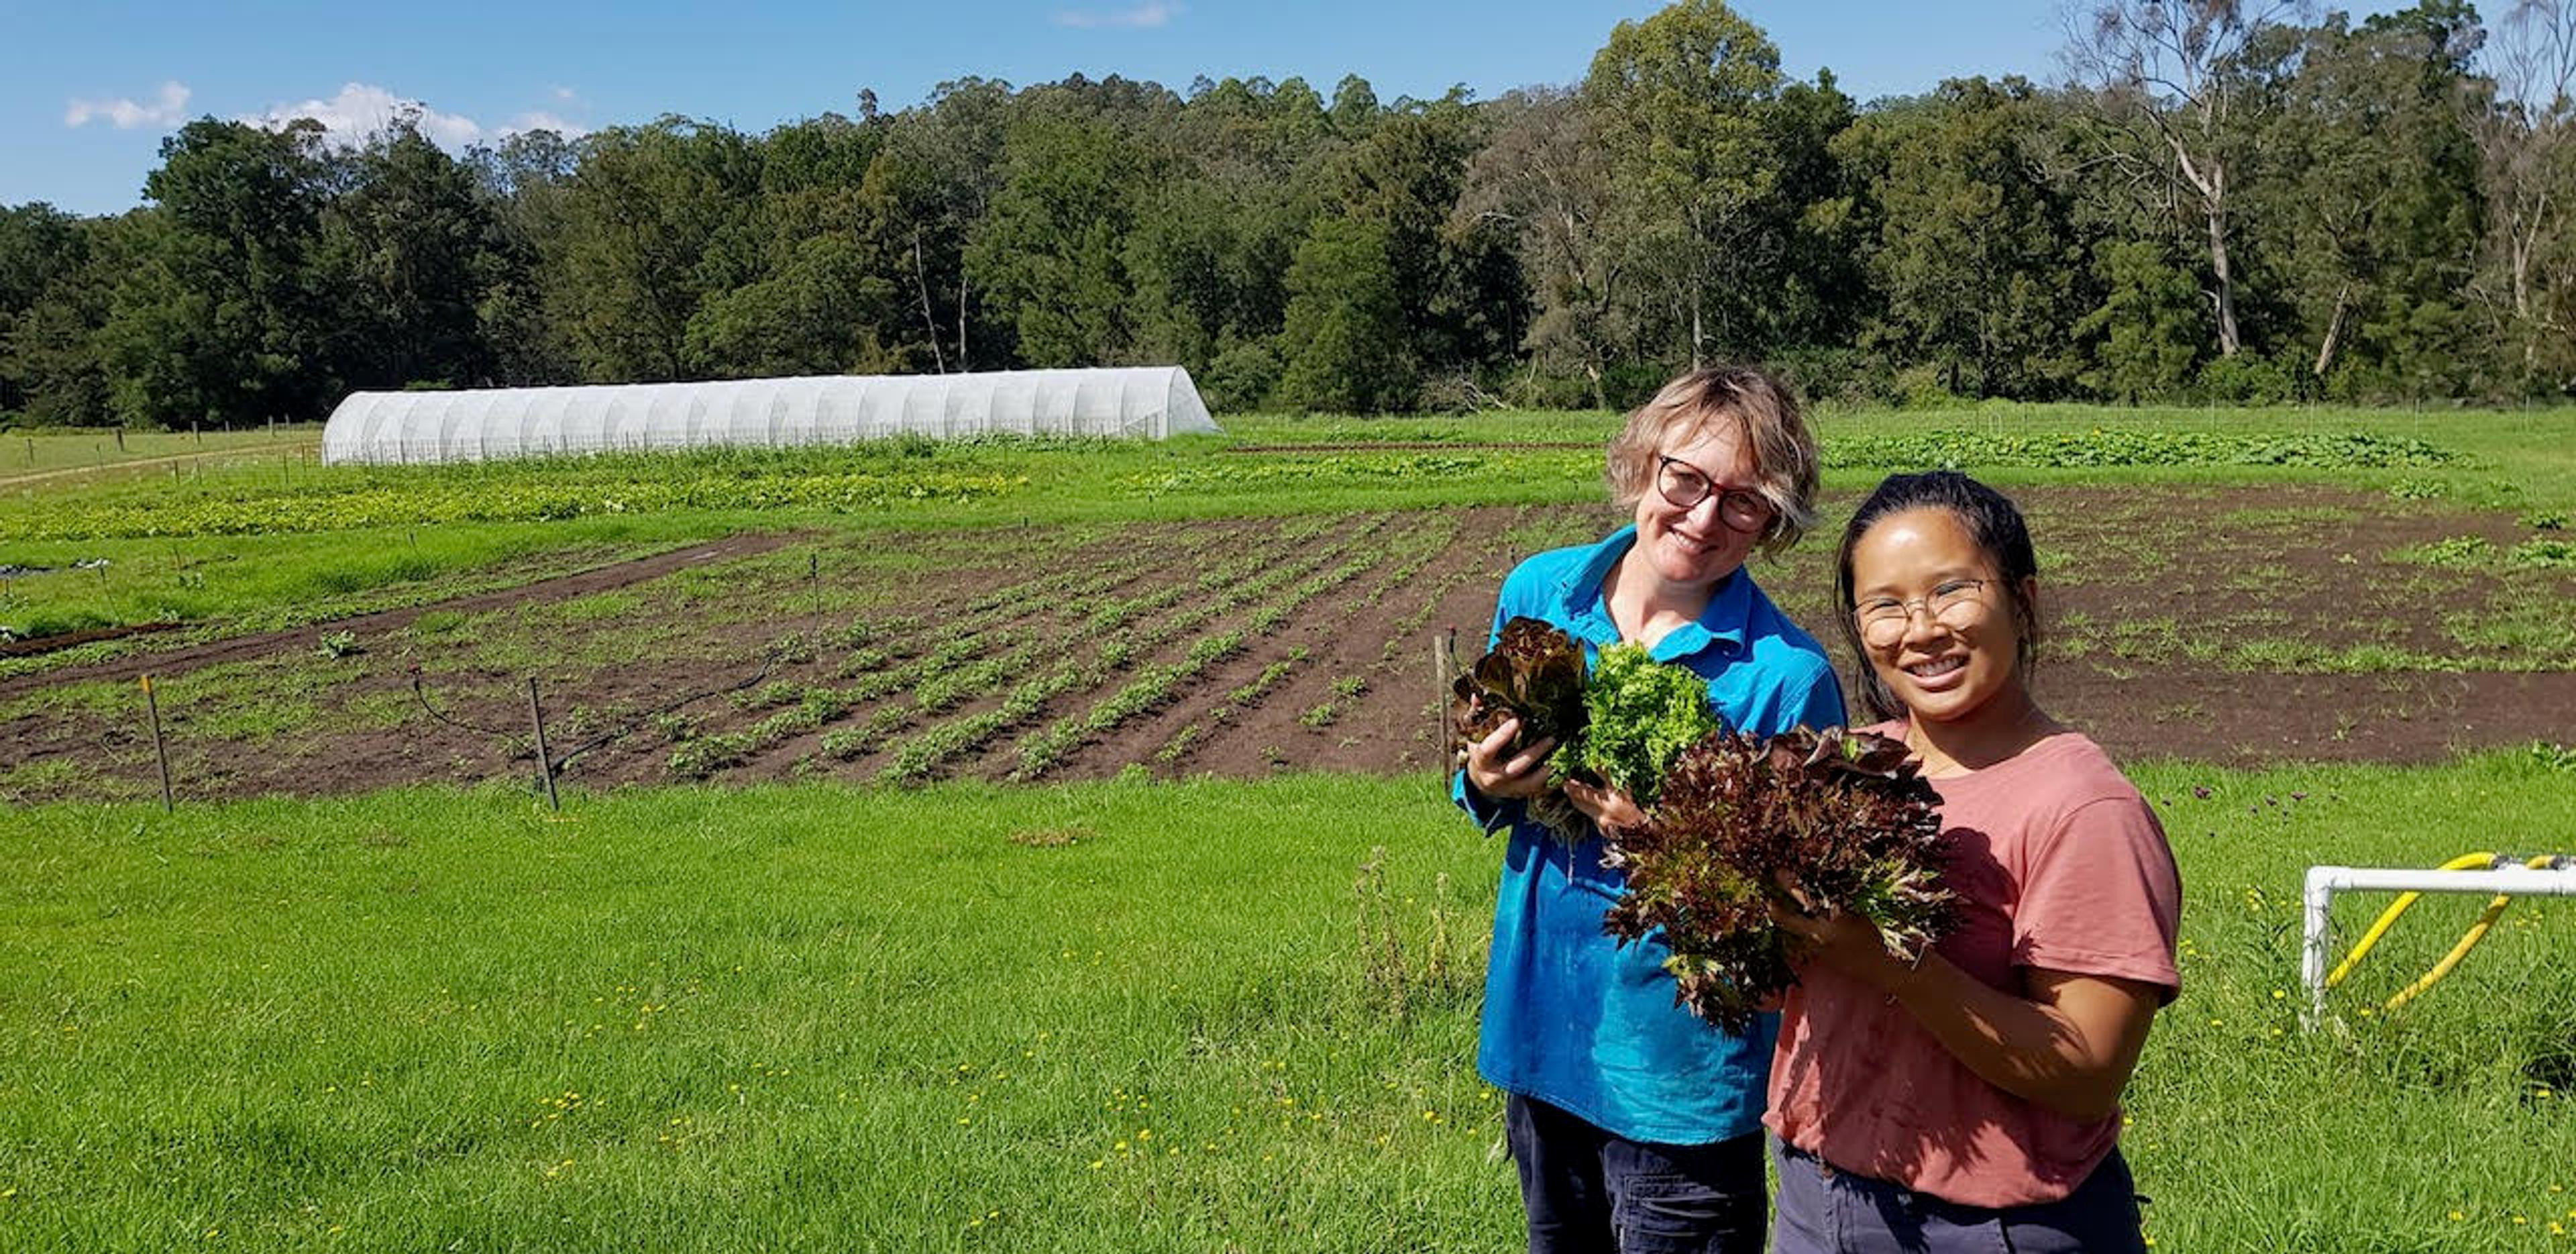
[(2225, 202)]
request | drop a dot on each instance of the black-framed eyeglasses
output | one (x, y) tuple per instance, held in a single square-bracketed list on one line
[(1953, 603), (1683, 487)]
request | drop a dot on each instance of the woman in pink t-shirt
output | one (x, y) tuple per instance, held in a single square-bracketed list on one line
[(1972, 1100)]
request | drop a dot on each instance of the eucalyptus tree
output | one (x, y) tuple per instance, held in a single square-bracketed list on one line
[(2370, 205), (1048, 251), (1814, 246), (1391, 282), (523, 180), (1676, 101), (409, 243), (1976, 257), (2173, 82), (1543, 177), (822, 297), (2527, 144), (925, 191), (1211, 242), (655, 218)]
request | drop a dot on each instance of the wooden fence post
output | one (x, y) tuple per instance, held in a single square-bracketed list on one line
[(160, 751), (1443, 649), (545, 764)]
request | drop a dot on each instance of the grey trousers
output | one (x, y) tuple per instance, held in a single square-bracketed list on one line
[(1822, 1210)]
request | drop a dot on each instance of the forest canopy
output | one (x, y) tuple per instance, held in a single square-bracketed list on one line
[(2220, 202)]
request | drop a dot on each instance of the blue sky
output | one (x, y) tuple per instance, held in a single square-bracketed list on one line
[(92, 88)]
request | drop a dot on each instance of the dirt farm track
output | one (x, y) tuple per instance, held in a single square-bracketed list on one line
[(2217, 624)]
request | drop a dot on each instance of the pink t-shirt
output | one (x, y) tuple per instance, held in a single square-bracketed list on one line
[(2058, 863)]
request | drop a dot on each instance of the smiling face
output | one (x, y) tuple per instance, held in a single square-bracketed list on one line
[(1947, 666), (1695, 547)]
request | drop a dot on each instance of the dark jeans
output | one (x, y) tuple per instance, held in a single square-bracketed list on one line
[(1588, 1190), (1825, 1211)]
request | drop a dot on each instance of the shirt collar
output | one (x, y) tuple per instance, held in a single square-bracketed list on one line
[(1722, 625)]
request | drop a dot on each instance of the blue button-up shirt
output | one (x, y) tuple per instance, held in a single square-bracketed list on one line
[(1573, 1018)]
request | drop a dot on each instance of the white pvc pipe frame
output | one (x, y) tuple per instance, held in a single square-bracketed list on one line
[(2325, 881)]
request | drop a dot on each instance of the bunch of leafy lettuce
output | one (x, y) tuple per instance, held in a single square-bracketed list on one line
[(1640, 714), (1534, 673), (1840, 814)]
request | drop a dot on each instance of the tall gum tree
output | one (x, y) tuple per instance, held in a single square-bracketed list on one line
[(2369, 208), (1676, 100), (2170, 78), (2527, 145), (1543, 178)]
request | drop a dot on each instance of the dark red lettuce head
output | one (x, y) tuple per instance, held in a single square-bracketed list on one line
[(1840, 814)]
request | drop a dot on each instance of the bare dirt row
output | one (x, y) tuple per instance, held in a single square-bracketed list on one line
[(2219, 625)]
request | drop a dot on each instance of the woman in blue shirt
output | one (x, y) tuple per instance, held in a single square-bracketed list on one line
[(1635, 1125)]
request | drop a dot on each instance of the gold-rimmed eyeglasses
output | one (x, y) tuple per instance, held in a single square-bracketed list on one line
[(1683, 487), (1953, 603)]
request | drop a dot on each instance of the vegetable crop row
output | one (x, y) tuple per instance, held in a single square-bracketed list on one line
[(1043, 751), (1245, 577), (952, 671)]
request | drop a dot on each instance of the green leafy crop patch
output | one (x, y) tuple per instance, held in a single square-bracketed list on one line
[(2544, 553), (2108, 448), (430, 500)]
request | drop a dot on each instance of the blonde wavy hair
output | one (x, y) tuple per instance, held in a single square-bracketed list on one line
[(1765, 416)]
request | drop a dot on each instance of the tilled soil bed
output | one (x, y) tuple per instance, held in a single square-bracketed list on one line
[(2226, 625)]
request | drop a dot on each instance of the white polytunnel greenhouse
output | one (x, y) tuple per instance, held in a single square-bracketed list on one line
[(1144, 402)]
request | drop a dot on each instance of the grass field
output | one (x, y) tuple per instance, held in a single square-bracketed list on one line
[(33, 459), (1113, 1016)]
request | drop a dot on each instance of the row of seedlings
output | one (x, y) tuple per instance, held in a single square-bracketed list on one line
[(921, 755), (883, 656), (1408, 553), (1044, 750)]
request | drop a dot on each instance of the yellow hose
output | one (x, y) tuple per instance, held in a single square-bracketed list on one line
[(2468, 941), (2388, 917)]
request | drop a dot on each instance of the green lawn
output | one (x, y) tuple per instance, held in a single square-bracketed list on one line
[(33, 456), (1120, 1016)]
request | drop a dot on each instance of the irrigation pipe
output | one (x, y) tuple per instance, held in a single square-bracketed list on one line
[(2543, 876), (628, 727)]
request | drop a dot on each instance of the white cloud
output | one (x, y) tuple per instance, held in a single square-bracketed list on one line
[(363, 109), (1146, 16), (125, 115), (563, 93), (541, 120)]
